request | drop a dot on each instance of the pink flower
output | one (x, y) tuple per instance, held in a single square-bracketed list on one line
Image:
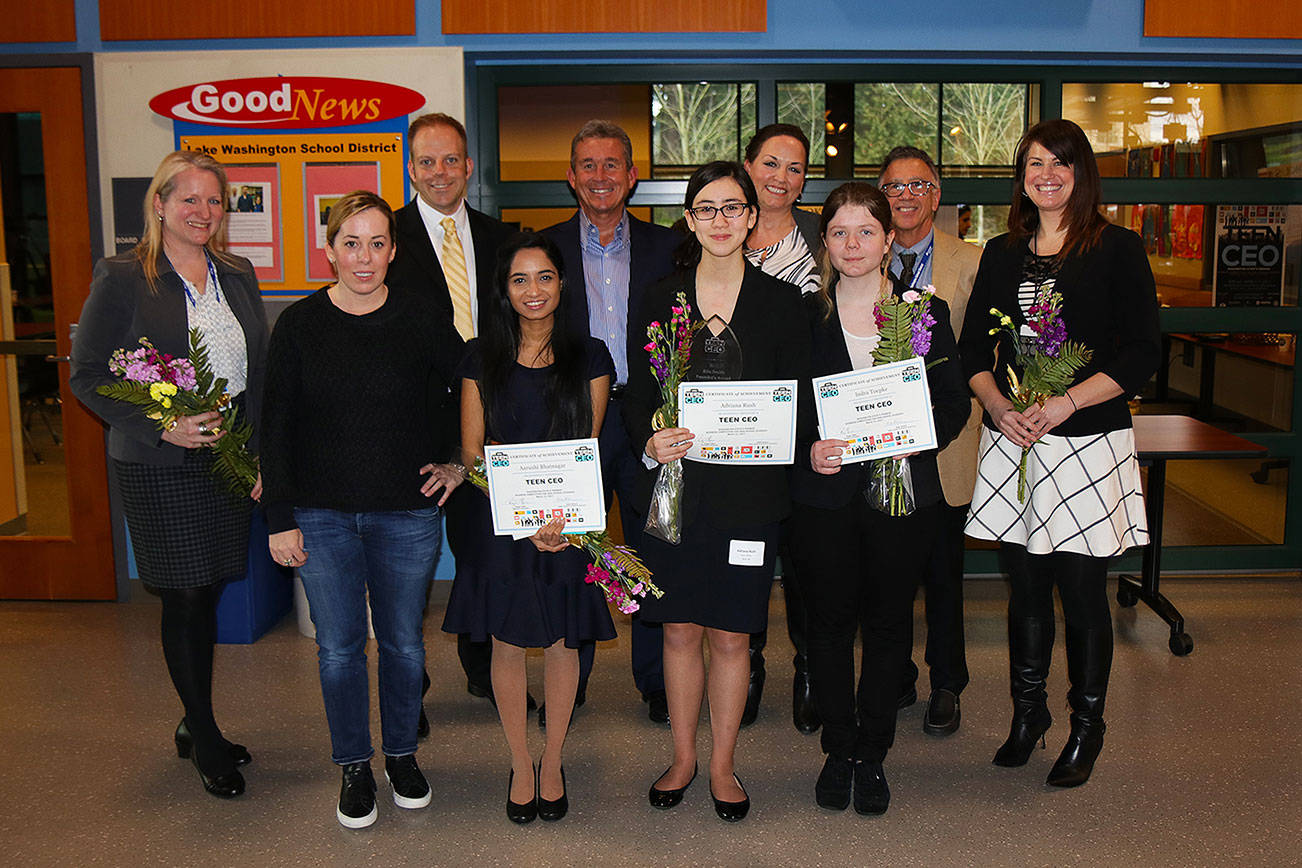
[(911, 296)]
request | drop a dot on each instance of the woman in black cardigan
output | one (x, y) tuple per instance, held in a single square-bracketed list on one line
[(710, 594), (859, 568), (189, 533), (1083, 500)]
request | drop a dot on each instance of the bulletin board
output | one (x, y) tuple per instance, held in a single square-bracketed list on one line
[(282, 179)]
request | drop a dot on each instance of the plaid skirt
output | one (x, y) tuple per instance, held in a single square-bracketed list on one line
[(187, 530), (1082, 494)]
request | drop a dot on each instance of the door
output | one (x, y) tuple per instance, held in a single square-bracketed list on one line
[(56, 538)]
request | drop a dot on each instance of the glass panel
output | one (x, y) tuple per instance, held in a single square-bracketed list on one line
[(982, 223), (1219, 256), (536, 124), (981, 123), (694, 123), (1241, 382), (1227, 502), (1187, 129), (803, 104), (893, 113), (33, 473)]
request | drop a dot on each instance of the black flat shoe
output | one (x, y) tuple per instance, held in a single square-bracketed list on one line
[(521, 812), (906, 698), (732, 811), (224, 786), (803, 713), (553, 809), (871, 794), (657, 707), (943, 713), (185, 744), (832, 790), (666, 799)]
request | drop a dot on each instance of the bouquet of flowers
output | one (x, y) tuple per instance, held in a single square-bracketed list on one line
[(616, 569), (670, 348), (167, 389), (904, 325), (1048, 360)]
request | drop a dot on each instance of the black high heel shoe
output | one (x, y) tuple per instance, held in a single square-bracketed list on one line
[(521, 812), (666, 799), (1027, 729), (732, 811), (225, 786), (553, 809), (185, 744)]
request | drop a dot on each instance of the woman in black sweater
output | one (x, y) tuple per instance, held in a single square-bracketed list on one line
[(859, 567), (1083, 502), (356, 410)]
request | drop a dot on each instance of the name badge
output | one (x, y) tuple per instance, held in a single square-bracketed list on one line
[(746, 553)]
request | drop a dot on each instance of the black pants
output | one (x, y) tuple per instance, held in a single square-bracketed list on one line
[(859, 571), (943, 589)]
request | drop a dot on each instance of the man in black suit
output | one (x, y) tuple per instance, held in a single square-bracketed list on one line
[(614, 257), (429, 227)]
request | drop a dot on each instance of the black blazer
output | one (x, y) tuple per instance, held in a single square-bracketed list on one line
[(651, 258), (416, 264), (121, 309), (769, 325), (951, 403), (1109, 303)]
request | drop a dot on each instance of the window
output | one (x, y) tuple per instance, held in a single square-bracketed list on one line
[(694, 123)]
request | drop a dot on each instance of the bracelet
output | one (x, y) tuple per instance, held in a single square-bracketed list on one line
[(1067, 395)]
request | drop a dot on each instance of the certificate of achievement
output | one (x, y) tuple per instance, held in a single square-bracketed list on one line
[(881, 411), (529, 484), (740, 422)]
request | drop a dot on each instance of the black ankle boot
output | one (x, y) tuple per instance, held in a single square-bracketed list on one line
[(1030, 644), (1089, 662), (804, 714)]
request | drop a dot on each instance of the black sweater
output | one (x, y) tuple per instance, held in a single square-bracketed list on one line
[(355, 405), (1109, 303)]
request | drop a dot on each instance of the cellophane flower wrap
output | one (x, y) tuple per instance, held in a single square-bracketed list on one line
[(669, 347), (167, 388), (616, 569), (1048, 360), (904, 324)]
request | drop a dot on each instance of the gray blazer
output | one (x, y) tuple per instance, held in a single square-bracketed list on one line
[(807, 223), (120, 310)]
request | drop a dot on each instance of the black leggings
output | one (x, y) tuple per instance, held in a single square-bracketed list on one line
[(189, 631)]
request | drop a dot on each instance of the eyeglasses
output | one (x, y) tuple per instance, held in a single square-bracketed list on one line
[(731, 210), (917, 188)]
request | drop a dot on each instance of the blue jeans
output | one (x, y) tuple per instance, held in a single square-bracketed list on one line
[(392, 555)]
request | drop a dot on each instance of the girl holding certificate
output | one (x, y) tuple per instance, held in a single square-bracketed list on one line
[(860, 567), (529, 378), (1081, 502), (717, 581)]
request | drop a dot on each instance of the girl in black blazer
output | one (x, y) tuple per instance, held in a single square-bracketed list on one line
[(859, 568), (710, 595), (189, 533)]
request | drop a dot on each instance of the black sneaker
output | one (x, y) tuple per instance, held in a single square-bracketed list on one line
[(871, 794), (357, 797), (410, 789), (833, 788)]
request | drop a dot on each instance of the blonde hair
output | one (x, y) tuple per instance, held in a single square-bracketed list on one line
[(150, 246)]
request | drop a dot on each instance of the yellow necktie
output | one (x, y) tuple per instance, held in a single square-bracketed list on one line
[(454, 271)]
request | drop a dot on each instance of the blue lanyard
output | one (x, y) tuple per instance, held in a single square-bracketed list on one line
[(920, 266), (212, 279)]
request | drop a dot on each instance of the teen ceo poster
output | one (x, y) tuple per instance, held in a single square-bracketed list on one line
[(293, 139)]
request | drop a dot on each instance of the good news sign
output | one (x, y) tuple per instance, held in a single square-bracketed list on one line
[(287, 102)]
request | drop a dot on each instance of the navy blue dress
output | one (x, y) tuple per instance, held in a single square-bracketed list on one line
[(506, 588)]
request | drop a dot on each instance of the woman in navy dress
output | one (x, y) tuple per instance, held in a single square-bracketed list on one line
[(529, 378)]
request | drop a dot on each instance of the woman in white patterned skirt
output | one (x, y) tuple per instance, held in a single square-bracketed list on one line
[(1083, 502)]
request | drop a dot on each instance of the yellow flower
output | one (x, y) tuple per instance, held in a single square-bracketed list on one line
[(158, 391), (166, 402), (1007, 320)]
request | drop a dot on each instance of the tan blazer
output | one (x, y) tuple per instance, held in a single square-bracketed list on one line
[(953, 269)]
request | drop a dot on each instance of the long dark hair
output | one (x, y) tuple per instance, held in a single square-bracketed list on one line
[(772, 131), (688, 254), (1067, 142), (851, 193), (567, 392)]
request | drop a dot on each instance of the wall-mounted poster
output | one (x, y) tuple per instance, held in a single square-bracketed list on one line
[(323, 185), (1249, 256), (253, 218)]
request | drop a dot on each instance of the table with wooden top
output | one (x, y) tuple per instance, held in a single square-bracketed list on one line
[(1157, 440)]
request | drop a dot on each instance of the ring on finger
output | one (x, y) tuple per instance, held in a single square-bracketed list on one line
[(203, 428)]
